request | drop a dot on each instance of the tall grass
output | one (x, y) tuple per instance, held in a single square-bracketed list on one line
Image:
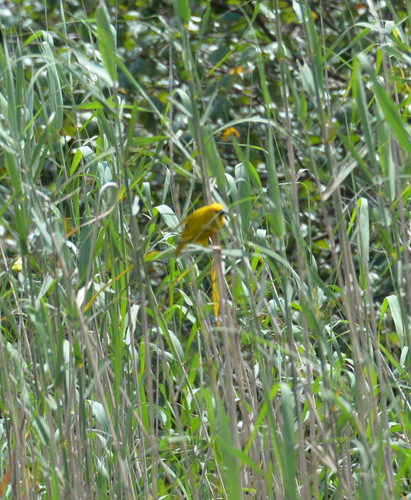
[(273, 366)]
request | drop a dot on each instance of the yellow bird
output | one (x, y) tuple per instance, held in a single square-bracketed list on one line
[(200, 225)]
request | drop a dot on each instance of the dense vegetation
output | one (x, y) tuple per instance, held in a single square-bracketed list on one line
[(276, 362)]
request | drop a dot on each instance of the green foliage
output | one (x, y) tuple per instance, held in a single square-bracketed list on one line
[(274, 366)]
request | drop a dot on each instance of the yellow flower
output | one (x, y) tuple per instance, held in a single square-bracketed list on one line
[(238, 71), (17, 265), (228, 132)]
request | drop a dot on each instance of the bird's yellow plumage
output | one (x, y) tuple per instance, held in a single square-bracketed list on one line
[(200, 225)]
